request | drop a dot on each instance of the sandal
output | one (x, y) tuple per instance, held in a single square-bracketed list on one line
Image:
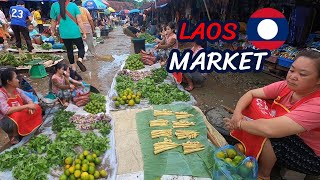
[(14, 140), (81, 66)]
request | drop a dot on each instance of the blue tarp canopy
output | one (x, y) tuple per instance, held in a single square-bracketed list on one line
[(93, 5)]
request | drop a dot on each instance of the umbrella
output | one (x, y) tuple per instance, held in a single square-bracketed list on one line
[(93, 4), (111, 9), (106, 11), (134, 11), (126, 11)]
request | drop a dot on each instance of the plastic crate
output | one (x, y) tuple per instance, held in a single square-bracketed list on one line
[(284, 62)]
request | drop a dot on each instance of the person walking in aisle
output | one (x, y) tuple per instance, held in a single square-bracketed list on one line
[(88, 25), (19, 15), (37, 17), (68, 16)]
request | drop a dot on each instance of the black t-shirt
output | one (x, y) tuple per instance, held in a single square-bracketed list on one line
[(133, 29)]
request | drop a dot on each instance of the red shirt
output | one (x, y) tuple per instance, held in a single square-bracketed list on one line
[(306, 115)]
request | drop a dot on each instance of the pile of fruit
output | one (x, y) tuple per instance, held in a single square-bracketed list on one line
[(237, 163), (149, 38), (84, 167), (127, 97), (97, 104), (134, 62)]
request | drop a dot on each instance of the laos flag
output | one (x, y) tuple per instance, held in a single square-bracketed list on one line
[(267, 28)]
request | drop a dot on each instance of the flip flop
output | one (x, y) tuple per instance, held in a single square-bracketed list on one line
[(81, 66), (189, 88), (14, 140)]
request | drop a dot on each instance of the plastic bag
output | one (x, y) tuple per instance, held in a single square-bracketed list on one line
[(231, 164), (34, 22)]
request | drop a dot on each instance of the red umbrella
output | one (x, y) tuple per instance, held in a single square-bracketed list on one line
[(126, 11), (105, 2)]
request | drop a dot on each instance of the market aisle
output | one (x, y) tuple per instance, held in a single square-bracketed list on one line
[(100, 72)]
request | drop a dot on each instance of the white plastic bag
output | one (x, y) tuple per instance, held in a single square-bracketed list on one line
[(34, 22)]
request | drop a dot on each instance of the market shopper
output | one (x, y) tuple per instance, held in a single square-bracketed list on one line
[(18, 114), (288, 130), (88, 25), (38, 19), (19, 15), (167, 44), (68, 16)]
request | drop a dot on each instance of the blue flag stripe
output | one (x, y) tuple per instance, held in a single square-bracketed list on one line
[(252, 29)]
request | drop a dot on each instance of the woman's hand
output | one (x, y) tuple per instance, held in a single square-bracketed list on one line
[(156, 47), (231, 124), (237, 116), (84, 36), (31, 108)]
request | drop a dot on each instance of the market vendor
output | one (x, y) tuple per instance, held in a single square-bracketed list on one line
[(131, 30), (195, 78), (61, 85), (167, 44), (18, 114), (288, 130)]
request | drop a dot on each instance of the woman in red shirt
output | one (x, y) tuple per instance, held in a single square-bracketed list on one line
[(288, 130)]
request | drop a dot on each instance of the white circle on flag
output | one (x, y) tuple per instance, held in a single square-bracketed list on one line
[(267, 29)]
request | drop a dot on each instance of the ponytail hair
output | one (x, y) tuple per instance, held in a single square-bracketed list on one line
[(62, 4)]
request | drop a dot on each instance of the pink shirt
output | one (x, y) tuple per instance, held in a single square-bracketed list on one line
[(307, 114), (4, 106), (172, 36), (61, 80)]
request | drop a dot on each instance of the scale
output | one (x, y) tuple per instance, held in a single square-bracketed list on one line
[(37, 69)]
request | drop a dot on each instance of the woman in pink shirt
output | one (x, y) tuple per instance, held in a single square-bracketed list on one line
[(288, 130), (167, 44)]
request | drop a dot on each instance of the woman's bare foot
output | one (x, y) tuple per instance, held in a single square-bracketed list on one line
[(189, 88)]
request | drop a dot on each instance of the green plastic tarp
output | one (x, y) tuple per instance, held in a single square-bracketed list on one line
[(174, 162)]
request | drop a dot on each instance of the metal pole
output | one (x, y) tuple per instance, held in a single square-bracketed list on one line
[(205, 5)]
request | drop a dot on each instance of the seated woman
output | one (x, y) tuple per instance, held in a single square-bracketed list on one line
[(161, 33), (194, 78), (288, 130), (61, 85), (34, 35), (18, 114), (167, 44)]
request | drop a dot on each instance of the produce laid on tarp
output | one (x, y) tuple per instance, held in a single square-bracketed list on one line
[(75, 148), (174, 142), (150, 89), (46, 47), (20, 60), (149, 38)]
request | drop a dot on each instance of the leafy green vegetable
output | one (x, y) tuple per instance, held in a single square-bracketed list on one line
[(61, 121), (10, 158), (46, 46), (158, 75), (92, 142), (58, 151), (103, 126), (39, 143), (31, 167)]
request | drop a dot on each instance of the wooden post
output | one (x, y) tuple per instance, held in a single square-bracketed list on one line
[(205, 5)]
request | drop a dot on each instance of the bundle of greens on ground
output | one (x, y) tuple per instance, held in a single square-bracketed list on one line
[(10, 59), (134, 62), (61, 121), (97, 104)]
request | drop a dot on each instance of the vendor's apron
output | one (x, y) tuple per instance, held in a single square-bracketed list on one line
[(26, 122), (258, 109)]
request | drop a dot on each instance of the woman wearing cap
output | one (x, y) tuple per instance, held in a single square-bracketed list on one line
[(287, 129), (68, 16)]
